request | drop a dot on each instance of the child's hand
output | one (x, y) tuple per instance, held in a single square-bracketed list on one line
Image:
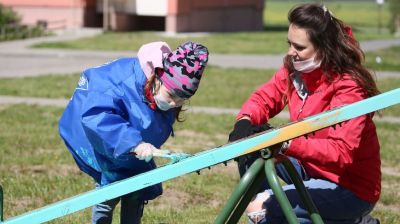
[(144, 151)]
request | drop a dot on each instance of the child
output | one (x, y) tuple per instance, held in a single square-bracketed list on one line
[(123, 111)]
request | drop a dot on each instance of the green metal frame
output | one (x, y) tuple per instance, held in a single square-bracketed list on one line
[(1, 204), (264, 168)]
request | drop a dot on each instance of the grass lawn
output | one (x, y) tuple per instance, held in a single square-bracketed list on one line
[(216, 90), (36, 169), (227, 43), (355, 13), (389, 59), (270, 41), (265, 42), (227, 88)]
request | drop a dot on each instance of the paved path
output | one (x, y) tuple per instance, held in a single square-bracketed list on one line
[(18, 60)]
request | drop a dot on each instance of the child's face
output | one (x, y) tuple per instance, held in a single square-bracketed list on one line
[(170, 98), (300, 46)]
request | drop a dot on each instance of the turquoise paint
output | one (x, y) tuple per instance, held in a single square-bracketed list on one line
[(200, 161)]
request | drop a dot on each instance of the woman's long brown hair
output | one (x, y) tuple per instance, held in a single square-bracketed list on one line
[(338, 50), (149, 85)]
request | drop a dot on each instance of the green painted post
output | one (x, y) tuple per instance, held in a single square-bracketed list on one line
[(250, 184), (1, 204), (302, 191), (247, 197), (276, 187), (250, 178)]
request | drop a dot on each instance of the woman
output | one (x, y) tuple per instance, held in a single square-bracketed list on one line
[(340, 166), (123, 111)]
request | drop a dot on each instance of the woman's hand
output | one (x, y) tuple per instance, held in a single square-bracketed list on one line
[(243, 128)]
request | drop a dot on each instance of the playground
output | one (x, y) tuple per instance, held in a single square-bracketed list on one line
[(36, 169)]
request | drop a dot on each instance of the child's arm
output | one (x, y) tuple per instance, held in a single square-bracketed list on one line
[(105, 127)]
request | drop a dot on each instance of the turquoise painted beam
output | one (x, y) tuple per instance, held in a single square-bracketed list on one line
[(208, 158)]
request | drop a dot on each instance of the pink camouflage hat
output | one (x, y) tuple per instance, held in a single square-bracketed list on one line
[(183, 69)]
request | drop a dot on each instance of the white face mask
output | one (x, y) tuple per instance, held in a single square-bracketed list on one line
[(306, 66), (162, 104)]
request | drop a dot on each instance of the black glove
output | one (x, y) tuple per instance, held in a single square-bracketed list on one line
[(242, 129)]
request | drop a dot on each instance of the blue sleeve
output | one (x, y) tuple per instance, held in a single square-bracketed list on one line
[(105, 126)]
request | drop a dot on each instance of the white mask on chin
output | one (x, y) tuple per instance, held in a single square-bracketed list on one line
[(162, 104), (306, 66)]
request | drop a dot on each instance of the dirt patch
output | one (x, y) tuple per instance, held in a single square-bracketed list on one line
[(194, 134), (392, 208), (4, 107), (50, 170), (49, 151), (391, 171), (192, 142), (230, 169), (180, 200), (25, 202), (173, 198)]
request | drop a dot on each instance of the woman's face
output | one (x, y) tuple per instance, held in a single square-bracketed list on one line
[(300, 46)]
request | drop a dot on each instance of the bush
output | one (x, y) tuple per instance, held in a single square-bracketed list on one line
[(11, 28), (8, 16)]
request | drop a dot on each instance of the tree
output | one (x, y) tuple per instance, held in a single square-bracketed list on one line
[(394, 7), (11, 28), (8, 16)]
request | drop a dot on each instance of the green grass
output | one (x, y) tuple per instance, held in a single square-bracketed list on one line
[(265, 42), (50, 86), (388, 206), (216, 89), (389, 59), (270, 41), (229, 87), (226, 43), (386, 85), (225, 88), (355, 13), (36, 169)]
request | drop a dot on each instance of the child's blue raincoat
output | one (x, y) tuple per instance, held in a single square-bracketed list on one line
[(107, 116)]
